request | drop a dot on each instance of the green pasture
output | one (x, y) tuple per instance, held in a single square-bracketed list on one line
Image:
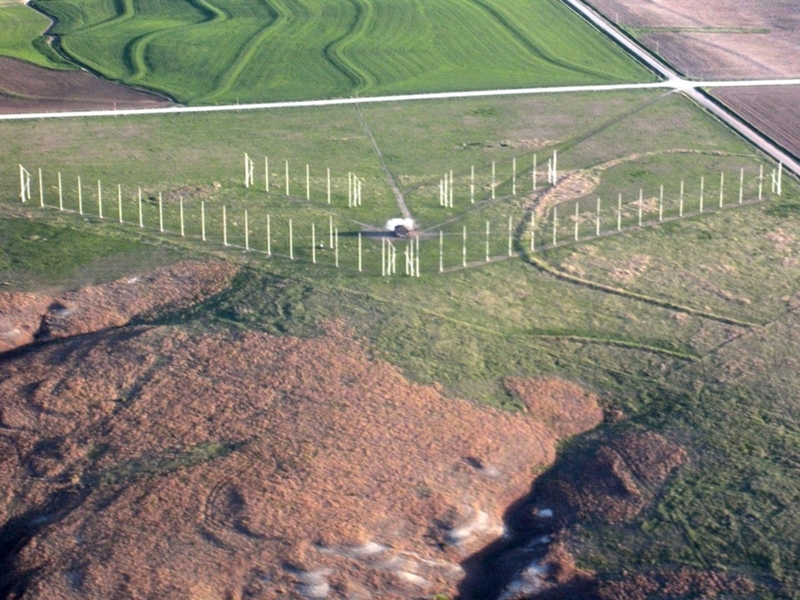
[(221, 51), (22, 36), (687, 325)]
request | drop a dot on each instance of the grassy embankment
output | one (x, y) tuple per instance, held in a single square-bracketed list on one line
[(22, 36), (644, 317), (218, 51)]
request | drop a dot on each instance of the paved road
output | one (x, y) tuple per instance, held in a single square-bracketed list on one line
[(672, 80)]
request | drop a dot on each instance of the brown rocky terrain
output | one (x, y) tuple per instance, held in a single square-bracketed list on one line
[(171, 461)]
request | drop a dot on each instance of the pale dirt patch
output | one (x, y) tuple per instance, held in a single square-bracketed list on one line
[(629, 270)]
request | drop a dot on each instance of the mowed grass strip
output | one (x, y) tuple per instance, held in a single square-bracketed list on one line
[(208, 51)]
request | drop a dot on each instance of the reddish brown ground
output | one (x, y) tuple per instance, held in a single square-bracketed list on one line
[(161, 461), (25, 87), (25, 317), (721, 39), (773, 110)]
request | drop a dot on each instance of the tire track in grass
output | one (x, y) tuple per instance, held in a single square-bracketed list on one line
[(335, 50)]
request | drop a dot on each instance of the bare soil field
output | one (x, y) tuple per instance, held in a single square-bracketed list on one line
[(718, 39), (268, 465), (773, 110), (27, 88), (167, 461), (26, 317)]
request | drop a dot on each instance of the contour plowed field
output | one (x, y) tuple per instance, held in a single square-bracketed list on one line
[(218, 50), (773, 110), (717, 39)]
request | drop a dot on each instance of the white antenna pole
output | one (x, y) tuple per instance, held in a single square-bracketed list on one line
[(416, 255), (721, 188), (472, 184), (641, 202), (246, 232), (349, 190), (80, 196), (487, 241), (493, 179), (60, 193), (99, 199), (383, 257), (203, 220), (534, 175), (22, 183), (141, 221), (269, 237), (313, 244), (308, 182), (619, 213), (661, 203), (224, 226), (119, 201), (597, 219), (550, 171), (180, 206), (555, 167), (577, 217), (286, 169), (359, 251), (291, 241), (441, 251), (41, 190), (450, 188), (680, 206), (329, 185), (464, 246), (760, 180), (161, 214), (514, 176), (408, 259), (246, 170), (555, 225)]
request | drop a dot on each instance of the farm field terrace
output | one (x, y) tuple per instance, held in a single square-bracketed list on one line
[(686, 329), (220, 51)]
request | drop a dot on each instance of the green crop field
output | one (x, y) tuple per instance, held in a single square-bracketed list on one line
[(689, 326), (22, 36), (212, 51)]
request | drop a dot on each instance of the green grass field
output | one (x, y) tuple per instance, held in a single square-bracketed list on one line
[(22, 36), (220, 51), (689, 327)]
